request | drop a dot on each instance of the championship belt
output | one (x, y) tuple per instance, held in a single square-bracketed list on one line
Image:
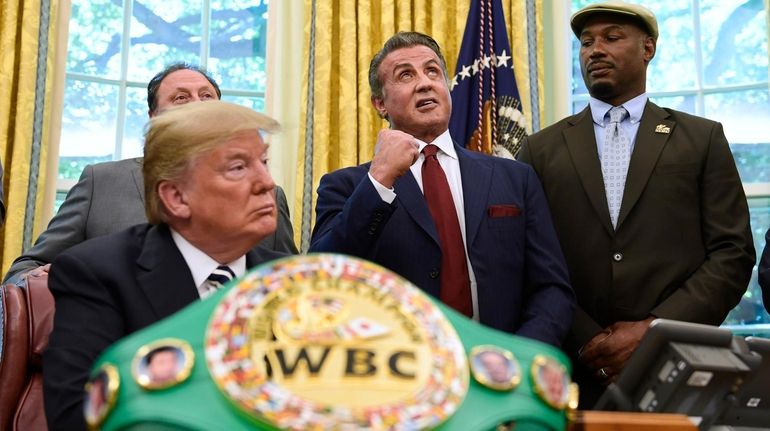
[(327, 342)]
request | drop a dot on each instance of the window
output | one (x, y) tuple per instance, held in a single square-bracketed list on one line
[(712, 61), (116, 46)]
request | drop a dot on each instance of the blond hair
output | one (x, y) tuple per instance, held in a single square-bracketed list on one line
[(174, 139)]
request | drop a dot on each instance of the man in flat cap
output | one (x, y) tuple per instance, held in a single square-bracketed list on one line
[(646, 201)]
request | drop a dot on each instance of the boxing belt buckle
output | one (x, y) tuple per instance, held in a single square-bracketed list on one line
[(327, 341)]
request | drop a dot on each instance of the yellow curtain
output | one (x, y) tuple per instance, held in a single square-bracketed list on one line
[(27, 36), (338, 126)]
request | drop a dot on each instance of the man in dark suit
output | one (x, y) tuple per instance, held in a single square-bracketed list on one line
[(110, 196), (209, 202), (510, 273), (764, 272), (649, 209)]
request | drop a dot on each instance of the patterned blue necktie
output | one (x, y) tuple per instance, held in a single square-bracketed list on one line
[(218, 278), (616, 154)]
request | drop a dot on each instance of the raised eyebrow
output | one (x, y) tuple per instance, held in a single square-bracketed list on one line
[(402, 66)]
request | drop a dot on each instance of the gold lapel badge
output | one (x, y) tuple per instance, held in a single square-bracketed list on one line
[(495, 368), (551, 381), (101, 394), (163, 363), (662, 128)]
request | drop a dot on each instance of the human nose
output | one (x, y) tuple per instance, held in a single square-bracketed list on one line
[(424, 82), (596, 49), (263, 181)]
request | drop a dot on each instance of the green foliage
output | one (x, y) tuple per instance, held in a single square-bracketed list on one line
[(160, 32), (70, 168)]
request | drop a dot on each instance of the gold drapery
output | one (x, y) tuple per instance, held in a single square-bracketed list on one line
[(27, 33), (338, 124)]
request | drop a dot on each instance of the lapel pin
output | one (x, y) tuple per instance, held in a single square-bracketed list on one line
[(662, 128)]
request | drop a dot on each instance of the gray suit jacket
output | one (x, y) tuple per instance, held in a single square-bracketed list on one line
[(109, 198)]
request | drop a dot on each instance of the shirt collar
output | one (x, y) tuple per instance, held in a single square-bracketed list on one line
[(635, 108), (202, 265), (443, 142)]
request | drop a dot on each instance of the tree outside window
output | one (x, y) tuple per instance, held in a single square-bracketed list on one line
[(116, 46)]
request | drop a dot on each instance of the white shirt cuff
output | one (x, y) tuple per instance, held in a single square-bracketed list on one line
[(386, 194)]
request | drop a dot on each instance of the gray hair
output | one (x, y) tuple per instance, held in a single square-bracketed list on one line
[(402, 39)]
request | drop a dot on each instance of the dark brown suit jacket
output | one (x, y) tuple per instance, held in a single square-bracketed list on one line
[(682, 248)]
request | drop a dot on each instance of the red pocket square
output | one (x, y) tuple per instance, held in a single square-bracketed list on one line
[(496, 211)]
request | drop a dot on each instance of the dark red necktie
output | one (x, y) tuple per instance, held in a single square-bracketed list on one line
[(455, 282)]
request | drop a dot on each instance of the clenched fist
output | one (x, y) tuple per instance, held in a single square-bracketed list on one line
[(394, 153)]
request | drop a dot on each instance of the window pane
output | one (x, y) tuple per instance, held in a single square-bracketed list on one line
[(750, 310), (680, 103), (255, 103), (70, 168), (745, 115), (136, 120), (672, 68), (579, 106), (95, 37), (730, 54), (578, 85), (88, 121), (238, 40), (163, 32)]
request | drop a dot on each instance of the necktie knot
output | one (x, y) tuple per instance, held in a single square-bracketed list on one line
[(618, 114), (430, 150), (221, 275)]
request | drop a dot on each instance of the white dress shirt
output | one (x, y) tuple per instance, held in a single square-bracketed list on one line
[(202, 265), (447, 158)]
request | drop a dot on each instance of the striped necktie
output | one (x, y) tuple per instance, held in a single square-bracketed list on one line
[(218, 278)]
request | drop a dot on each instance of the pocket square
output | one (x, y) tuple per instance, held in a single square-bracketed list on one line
[(495, 211)]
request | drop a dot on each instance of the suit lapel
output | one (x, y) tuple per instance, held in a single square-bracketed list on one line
[(410, 197), (136, 175), (647, 149), (476, 176), (581, 144), (163, 274)]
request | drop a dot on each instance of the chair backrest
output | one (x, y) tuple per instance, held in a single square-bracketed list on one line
[(27, 315)]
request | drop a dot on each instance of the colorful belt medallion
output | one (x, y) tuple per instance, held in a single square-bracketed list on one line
[(101, 392), (336, 342), (495, 367), (163, 363), (551, 381)]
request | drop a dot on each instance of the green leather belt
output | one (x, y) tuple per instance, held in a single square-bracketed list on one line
[(326, 342)]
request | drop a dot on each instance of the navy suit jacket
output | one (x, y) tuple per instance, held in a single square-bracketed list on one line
[(106, 288), (521, 276)]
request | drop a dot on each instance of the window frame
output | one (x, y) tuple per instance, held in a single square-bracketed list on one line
[(123, 83)]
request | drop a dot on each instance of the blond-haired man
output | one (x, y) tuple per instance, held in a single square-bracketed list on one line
[(209, 202)]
